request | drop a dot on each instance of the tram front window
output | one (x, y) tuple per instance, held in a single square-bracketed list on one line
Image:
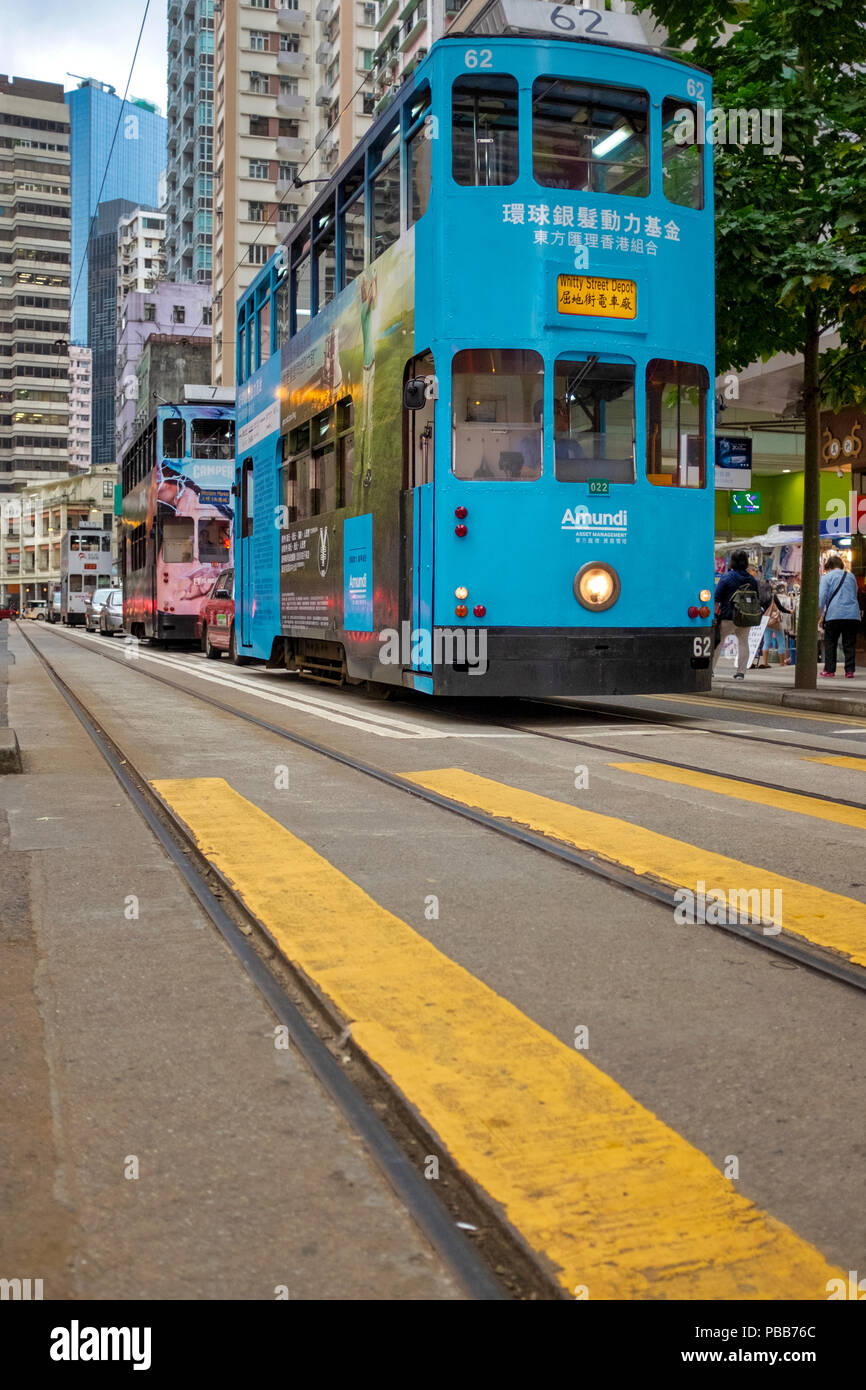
[(590, 138), (593, 420), (498, 402), (484, 130), (676, 415), (213, 439)]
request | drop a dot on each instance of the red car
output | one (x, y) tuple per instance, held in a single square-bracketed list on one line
[(217, 615), (8, 613)]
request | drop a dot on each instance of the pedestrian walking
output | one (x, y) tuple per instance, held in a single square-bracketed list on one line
[(738, 608), (839, 615)]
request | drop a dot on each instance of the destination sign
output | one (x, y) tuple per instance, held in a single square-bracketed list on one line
[(600, 296)]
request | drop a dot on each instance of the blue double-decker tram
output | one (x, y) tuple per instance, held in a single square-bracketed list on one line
[(474, 404)]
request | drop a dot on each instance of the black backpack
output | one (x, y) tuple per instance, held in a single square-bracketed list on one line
[(746, 606)]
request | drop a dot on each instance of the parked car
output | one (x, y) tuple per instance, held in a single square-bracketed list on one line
[(111, 613), (36, 608), (93, 608), (216, 616), (8, 613)]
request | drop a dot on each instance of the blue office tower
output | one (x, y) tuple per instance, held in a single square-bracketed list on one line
[(137, 161)]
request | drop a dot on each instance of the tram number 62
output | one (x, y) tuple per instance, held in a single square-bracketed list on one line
[(702, 646), (479, 59)]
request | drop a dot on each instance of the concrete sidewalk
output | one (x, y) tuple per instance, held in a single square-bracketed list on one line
[(775, 686)]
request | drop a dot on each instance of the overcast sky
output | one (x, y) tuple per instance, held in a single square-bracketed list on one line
[(46, 39)]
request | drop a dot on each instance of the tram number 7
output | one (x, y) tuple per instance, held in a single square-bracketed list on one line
[(702, 646)]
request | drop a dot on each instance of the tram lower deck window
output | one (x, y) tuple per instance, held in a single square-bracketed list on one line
[(591, 138), (498, 403), (177, 540), (676, 414), (593, 420)]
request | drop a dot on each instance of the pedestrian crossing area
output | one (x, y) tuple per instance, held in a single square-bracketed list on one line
[(618, 1203)]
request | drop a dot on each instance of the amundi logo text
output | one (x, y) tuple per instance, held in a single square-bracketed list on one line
[(609, 527)]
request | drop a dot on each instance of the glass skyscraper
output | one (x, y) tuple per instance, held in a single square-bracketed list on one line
[(138, 159)]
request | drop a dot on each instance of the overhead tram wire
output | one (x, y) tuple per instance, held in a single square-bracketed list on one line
[(297, 182), (108, 160)]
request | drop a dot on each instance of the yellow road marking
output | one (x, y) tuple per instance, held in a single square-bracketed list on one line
[(799, 802), (856, 764), (709, 701), (828, 919), (616, 1200)]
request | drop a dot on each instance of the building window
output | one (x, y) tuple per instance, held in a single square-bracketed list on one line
[(207, 314), (288, 172), (150, 313), (289, 45), (257, 254), (366, 55), (288, 86), (258, 169), (258, 41), (260, 4), (255, 212), (258, 83), (178, 313), (107, 491), (259, 125)]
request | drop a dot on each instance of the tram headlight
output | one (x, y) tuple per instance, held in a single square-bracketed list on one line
[(597, 586), (705, 595)]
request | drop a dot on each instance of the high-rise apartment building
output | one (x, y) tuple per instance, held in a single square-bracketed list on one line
[(102, 321), (189, 173), (80, 406), (34, 281), (133, 173), (292, 96), (140, 253)]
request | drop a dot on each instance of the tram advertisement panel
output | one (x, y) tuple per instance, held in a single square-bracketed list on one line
[(191, 502)]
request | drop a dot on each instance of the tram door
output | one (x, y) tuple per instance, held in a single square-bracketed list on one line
[(244, 558), (416, 505)]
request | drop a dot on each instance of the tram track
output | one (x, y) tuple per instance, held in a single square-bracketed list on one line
[(789, 947)]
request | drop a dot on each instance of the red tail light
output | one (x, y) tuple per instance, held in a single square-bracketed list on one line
[(460, 530), (460, 512), (461, 610), (693, 612), (479, 610), (704, 611)]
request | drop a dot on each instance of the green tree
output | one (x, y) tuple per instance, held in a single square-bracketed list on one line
[(791, 226)]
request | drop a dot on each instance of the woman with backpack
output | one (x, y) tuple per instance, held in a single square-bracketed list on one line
[(738, 607), (839, 615)]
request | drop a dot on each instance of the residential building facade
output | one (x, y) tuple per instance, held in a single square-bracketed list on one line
[(34, 521), (292, 97), (80, 406), (133, 174), (177, 313), (189, 172), (140, 252), (34, 281)]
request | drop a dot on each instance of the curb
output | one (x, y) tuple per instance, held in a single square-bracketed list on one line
[(10, 753), (792, 699)]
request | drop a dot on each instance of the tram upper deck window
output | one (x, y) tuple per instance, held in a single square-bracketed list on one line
[(385, 211), (593, 419), (484, 131), (326, 265), (213, 439), (682, 153), (497, 402), (676, 414), (177, 540), (590, 138), (352, 214), (264, 326), (173, 438), (302, 290)]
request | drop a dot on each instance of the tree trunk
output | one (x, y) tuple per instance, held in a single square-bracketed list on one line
[(806, 672)]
